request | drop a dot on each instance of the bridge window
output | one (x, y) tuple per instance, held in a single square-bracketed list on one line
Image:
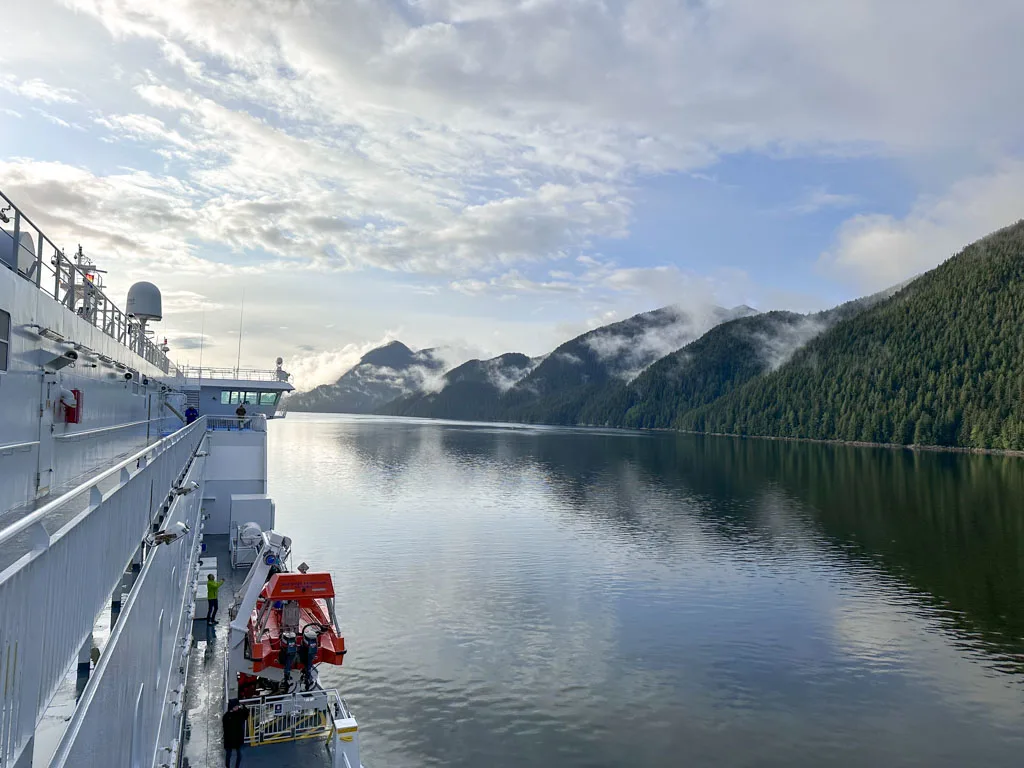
[(234, 397), (5, 338)]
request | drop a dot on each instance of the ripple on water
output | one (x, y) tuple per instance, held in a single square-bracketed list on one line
[(536, 596)]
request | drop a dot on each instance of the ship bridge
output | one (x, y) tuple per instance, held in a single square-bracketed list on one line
[(219, 391)]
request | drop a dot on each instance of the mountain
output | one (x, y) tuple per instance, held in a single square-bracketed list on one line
[(727, 356), (941, 362), (723, 358), (380, 376), (470, 391), (557, 390)]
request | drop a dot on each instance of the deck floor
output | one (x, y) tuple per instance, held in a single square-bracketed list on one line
[(204, 694)]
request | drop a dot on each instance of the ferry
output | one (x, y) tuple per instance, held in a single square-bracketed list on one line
[(127, 484)]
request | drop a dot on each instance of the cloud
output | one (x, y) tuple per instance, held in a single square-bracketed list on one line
[(326, 367), (58, 121), (189, 341), (504, 376), (176, 300), (143, 128), (819, 198), (135, 216), (465, 138), (514, 282), (37, 90), (485, 146), (875, 251), (671, 328), (778, 346)]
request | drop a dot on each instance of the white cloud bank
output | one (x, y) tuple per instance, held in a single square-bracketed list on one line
[(878, 251), (485, 145)]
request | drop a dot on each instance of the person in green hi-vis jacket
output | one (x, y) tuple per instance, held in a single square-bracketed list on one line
[(212, 588)]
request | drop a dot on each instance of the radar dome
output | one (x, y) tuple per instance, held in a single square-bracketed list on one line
[(144, 301)]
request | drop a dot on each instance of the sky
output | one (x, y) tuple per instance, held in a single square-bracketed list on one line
[(501, 175)]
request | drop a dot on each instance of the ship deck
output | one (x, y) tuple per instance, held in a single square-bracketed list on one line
[(204, 693)]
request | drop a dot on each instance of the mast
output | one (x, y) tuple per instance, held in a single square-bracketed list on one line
[(241, 316), (202, 343)]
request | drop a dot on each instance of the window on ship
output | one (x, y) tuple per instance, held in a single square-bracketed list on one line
[(234, 397)]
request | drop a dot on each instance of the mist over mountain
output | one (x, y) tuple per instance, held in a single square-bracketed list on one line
[(556, 390), (380, 376), (472, 390), (938, 360), (727, 356)]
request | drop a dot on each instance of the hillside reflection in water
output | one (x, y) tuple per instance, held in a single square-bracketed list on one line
[(516, 596)]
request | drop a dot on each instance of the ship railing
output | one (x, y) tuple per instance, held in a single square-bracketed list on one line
[(257, 422), (56, 583), (294, 716), (138, 684), (26, 249), (245, 374)]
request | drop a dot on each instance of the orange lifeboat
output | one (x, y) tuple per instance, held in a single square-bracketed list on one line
[(293, 625)]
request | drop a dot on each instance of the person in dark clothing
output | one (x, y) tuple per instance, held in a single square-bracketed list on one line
[(191, 414), (234, 721), (240, 413)]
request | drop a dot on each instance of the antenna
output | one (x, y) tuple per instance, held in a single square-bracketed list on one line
[(241, 315), (202, 341)]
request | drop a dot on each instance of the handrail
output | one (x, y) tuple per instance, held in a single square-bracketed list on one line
[(96, 307), (101, 430), (256, 422), (31, 519), (240, 374), (15, 446)]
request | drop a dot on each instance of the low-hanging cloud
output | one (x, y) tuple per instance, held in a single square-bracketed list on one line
[(326, 367), (672, 328), (782, 342)]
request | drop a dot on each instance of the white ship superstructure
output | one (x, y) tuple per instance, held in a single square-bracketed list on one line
[(113, 510)]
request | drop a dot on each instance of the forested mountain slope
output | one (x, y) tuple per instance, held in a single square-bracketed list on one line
[(556, 391), (702, 371), (939, 363), (381, 375), (469, 391), (725, 357)]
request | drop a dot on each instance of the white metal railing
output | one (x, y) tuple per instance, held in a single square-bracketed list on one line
[(257, 422), (245, 374), (58, 582), (108, 430), (29, 252), (130, 712), (292, 716)]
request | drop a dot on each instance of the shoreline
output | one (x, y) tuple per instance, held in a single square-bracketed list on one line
[(666, 430), (854, 443)]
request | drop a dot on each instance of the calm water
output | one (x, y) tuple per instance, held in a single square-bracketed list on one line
[(547, 597)]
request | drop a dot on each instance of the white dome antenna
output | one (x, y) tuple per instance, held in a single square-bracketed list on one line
[(144, 304)]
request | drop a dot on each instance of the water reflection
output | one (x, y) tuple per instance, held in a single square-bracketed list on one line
[(537, 595)]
